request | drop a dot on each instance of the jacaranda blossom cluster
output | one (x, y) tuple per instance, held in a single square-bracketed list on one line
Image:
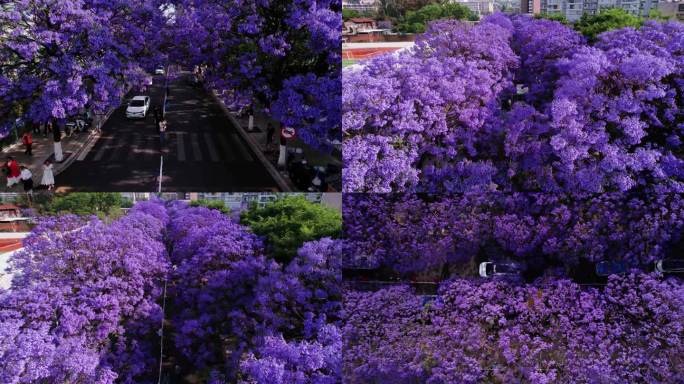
[(280, 56), (57, 57), (241, 316), (86, 303), (554, 331), (518, 104)]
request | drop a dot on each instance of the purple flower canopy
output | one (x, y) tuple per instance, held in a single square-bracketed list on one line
[(85, 302), (551, 332), (59, 57), (518, 104)]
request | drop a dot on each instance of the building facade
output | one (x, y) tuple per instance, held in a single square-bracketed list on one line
[(361, 5), (673, 9), (239, 201), (479, 7), (532, 7), (573, 10)]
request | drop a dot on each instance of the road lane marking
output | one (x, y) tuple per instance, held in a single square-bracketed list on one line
[(121, 143), (103, 148), (136, 147), (194, 141), (180, 146), (150, 148), (212, 149)]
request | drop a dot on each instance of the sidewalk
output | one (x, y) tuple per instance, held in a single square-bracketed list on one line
[(312, 156), (43, 148)]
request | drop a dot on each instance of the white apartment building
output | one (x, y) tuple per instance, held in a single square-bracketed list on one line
[(574, 9), (479, 7), (361, 5), (672, 9)]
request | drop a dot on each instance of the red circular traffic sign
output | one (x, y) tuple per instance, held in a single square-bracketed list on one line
[(288, 132)]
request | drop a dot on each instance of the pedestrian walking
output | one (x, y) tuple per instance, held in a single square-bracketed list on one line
[(270, 131), (162, 130), (27, 139), (26, 179), (48, 179), (13, 172)]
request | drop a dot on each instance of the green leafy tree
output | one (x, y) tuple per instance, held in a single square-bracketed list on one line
[(552, 16), (289, 222), (85, 203), (211, 204), (656, 14), (416, 21), (593, 25), (349, 13)]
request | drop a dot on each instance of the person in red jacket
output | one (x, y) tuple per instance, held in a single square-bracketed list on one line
[(27, 139), (13, 172)]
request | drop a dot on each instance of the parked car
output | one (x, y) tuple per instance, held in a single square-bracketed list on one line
[(499, 269), (159, 70), (607, 267), (138, 107), (670, 266)]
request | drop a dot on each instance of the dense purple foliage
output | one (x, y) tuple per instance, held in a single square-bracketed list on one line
[(59, 56), (409, 233), (518, 105), (237, 311), (284, 56), (83, 302), (554, 331)]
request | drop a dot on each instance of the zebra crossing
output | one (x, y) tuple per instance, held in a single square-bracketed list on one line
[(179, 147)]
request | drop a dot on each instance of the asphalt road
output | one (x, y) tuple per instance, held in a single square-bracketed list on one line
[(202, 152)]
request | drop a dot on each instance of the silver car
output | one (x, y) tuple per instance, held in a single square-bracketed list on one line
[(498, 269), (138, 107), (670, 266)]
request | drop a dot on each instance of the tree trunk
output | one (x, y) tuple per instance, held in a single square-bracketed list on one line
[(57, 137)]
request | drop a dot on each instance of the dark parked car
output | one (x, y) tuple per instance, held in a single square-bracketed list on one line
[(670, 266), (606, 268)]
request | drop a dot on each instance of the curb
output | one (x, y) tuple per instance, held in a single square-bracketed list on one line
[(69, 160), (282, 183)]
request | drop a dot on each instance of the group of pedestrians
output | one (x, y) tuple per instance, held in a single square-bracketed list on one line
[(16, 174)]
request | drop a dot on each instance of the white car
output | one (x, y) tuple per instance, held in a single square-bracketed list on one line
[(496, 269), (159, 71), (138, 107), (670, 266)]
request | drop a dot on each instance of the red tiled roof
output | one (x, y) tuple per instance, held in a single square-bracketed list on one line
[(8, 245)]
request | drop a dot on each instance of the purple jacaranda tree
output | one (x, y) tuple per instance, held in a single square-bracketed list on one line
[(83, 305), (550, 331), (518, 105), (281, 56), (236, 306), (58, 57)]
